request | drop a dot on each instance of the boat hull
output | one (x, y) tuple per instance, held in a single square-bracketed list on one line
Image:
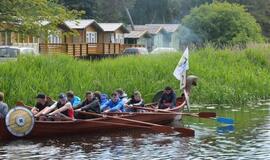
[(44, 129)]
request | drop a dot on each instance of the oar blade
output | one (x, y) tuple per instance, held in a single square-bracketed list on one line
[(162, 129), (207, 114), (185, 132), (225, 120)]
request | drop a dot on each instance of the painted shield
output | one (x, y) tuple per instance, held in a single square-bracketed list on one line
[(20, 121)]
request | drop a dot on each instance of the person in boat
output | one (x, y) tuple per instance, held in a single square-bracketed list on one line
[(3, 106), (167, 99), (115, 104), (60, 109), (74, 100), (90, 104), (41, 104), (103, 98), (190, 81), (122, 95), (63, 108), (135, 101)]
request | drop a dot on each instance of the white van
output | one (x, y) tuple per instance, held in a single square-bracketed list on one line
[(11, 52)]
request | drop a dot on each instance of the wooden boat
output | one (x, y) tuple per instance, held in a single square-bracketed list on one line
[(42, 129)]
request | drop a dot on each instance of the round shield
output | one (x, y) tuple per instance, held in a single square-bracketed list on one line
[(20, 121)]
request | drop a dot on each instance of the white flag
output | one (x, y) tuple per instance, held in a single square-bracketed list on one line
[(181, 68)]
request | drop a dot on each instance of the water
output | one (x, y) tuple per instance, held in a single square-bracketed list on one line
[(249, 138)]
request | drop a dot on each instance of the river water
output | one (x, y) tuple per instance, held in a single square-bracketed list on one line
[(249, 138)]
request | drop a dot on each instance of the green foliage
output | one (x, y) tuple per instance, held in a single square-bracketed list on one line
[(25, 16), (225, 76), (222, 24)]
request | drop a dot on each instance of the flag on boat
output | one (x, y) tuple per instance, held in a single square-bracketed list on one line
[(181, 68)]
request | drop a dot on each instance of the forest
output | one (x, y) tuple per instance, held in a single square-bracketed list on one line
[(160, 11)]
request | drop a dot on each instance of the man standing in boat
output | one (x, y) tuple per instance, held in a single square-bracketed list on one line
[(3, 106), (115, 104), (167, 99)]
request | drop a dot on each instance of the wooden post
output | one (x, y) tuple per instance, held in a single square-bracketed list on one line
[(103, 44), (74, 50), (80, 50), (87, 49), (66, 48), (109, 48)]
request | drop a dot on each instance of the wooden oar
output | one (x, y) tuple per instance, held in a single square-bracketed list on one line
[(210, 115), (186, 132), (200, 114)]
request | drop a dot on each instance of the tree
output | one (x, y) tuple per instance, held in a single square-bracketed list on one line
[(30, 17), (88, 6), (221, 24), (113, 10), (260, 9)]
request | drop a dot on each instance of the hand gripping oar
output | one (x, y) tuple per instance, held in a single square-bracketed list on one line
[(185, 132)]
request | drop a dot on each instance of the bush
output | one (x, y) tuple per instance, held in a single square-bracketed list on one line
[(220, 24)]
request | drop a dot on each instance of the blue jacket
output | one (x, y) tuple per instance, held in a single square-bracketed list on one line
[(114, 106), (75, 101)]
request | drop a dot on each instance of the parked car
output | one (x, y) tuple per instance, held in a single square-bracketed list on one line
[(132, 51), (11, 52), (163, 50)]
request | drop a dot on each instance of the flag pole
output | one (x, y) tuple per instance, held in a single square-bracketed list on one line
[(180, 73)]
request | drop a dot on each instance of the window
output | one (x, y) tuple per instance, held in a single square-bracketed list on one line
[(54, 39), (91, 37), (119, 38)]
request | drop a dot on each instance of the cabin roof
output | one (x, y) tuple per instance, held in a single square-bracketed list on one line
[(80, 24), (150, 29), (112, 27), (137, 34), (168, 27)]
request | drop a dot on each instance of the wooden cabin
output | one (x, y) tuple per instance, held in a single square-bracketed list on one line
[(138, 37), (10, 38), (88, 31), (171, 38), (157, 35), (113, 33)]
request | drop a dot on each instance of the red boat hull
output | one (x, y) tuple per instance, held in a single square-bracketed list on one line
[(59, 128)]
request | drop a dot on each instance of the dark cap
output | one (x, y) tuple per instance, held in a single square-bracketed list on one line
[(70, 94), (62, 95), (41, 95)]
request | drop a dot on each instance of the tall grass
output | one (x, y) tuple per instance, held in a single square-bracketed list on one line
[(226, 76)]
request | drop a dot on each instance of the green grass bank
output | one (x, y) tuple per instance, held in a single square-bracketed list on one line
[(227, 76)]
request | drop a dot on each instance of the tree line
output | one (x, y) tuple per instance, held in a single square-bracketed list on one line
[(160, 11)]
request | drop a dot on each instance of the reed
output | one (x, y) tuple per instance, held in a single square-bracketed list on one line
[(226, 76)]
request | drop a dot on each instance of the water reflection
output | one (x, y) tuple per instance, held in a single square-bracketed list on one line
[(249, 138)]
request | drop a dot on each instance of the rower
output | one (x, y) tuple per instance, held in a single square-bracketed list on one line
[(42, 103), (103, 98), (122, 95), (90, 104), (167, 99), (61, 109), (3, 106), (115, 104), (74, 100), (135, 100)]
